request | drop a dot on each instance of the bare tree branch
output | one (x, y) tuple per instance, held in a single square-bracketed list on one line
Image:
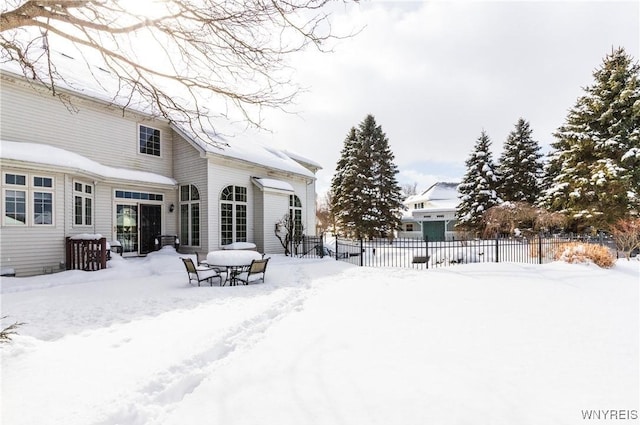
[(188, 61)]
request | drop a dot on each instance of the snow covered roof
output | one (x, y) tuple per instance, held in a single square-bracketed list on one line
[(248, 146), (273, 184), (97, 83), (52, 156), (87, 80), (440, 196), (302, 159)]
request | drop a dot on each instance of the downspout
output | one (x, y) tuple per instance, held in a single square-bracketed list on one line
[(314, 206), (95, 190)]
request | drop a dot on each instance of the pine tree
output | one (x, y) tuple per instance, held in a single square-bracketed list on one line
[(478, 187), (366, 196), (596, 155), (519, 167)]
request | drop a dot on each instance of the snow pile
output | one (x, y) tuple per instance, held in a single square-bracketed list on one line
[(322, 342)]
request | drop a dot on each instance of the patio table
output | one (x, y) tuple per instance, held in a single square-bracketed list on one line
[(232, 261)]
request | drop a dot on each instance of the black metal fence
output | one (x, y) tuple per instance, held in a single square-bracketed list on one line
[(420, 253)]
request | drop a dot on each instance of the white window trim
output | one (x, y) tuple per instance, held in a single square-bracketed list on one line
[(190, 203), (234, 216), (147, 155), (33, 207), (29, 189), (84, 197), (26, 207)]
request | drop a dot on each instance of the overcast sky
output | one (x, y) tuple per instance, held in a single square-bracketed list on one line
[(435, 74)]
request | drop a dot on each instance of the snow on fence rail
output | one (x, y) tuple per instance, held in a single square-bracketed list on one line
[(420, 253)]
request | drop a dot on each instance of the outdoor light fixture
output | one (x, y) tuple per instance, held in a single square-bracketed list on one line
[(171, 208)]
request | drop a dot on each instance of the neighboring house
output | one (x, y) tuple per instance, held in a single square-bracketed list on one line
[(431, 214), (130, 177)]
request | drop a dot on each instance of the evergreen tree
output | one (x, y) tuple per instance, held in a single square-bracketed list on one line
[(520, 168), (596, 156), (344, 182), (478, 187), (366, 197)]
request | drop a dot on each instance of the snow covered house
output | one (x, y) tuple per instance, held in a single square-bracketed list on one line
[(432, 213), (129, 176)]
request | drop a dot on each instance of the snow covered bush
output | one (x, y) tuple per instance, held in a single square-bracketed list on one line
[(577, 252)]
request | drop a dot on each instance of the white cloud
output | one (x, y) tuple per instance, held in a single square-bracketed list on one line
[(434, 74)]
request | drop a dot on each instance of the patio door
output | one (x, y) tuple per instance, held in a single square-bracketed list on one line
[(150, 226), (137, 226), (127, 228)]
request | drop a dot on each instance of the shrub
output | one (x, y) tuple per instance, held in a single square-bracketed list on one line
[(576, 252), (5, 333), (626, 234), (521, 216)]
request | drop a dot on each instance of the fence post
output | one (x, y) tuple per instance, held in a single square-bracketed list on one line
[(361, 253), (539, 248), (426, 247), (336, 247), (497, 249)]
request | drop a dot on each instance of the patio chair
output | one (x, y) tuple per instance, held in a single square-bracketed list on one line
[(254, 272), (201, 273)]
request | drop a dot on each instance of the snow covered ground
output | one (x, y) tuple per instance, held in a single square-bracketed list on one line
[(323, 342)]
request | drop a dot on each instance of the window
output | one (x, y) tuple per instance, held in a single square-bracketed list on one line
[(24, 196), (295, 212), (125, 194), (418, 205), (149, 140), (15, 179), (15, 207), (83, 204), (233, 215), (189, 215), (409, 227), (42, 208)]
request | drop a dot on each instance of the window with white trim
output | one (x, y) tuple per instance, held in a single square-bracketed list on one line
[(82, 204), (295, 212), (149, 139), (189, 215), (42, 200), (233, 215), (27, 196)]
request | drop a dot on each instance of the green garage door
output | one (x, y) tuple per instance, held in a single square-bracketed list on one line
[(433, 230)]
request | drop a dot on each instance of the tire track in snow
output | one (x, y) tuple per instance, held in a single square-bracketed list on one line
[(166, 389)]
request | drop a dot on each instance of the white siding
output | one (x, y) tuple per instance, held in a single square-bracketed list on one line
[(191, 168), (93, 130), (262, 211), (276, 205), (35, 249), (307, 194), (219, 177), (258, 215)]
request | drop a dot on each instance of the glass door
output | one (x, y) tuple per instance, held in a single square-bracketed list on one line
[(127, 228), (150, 227)]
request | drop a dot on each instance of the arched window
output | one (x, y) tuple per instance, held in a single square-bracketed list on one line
[(295, 212), (233, 215), (189, 215)]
